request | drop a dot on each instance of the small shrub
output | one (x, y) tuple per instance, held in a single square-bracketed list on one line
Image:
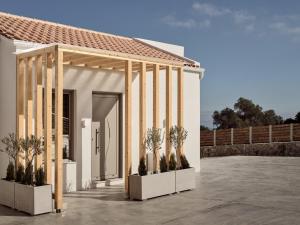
[(142, 167), (172, 162), (20, 173), (184, 162), (10, 172), (40, 177), (163, 164), (28, 177)]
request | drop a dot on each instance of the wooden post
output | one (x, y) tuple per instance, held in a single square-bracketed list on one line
[(128, 121), (142, 110), (58, 128), (38, 106), (168, 110), (156, 111), (29, 99), (20, 129), (270, 133), (180, 109), (250, 135), (215, 138), (291, 132), (231, 136), (29, 95), (48, 117)]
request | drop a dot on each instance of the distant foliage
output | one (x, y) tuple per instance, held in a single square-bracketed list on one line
[(10, 172), (142, 167), (245, 114), (293, 120), (172, 162), (204, 128), (163, 164)]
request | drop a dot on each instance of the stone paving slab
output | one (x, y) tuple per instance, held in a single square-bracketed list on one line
[(237, 190)]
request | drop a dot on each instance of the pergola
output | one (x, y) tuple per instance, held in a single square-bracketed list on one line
[(35, 70)]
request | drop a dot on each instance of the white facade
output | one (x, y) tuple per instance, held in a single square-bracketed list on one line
[(86, 81)]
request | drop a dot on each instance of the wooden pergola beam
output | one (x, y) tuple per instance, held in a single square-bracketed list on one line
[(128, 122), (142, 110), (38, 124), (168, 110), (58, 128)]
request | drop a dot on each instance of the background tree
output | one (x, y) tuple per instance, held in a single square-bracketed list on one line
[(297, 117), (245, 114), (226, 118), (202, 127)]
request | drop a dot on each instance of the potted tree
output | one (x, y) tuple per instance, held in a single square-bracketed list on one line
[(185, 175), (145, 185), (32, 195), (7, 184)]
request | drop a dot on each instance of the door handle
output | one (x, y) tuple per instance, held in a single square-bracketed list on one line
[(97, 136)]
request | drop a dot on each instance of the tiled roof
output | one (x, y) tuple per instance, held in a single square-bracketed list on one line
[(39, 31)]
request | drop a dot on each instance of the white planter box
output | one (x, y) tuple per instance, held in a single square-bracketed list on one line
[(69, 178), (150, 186), (185, 179), (7, 193), (33, 200)]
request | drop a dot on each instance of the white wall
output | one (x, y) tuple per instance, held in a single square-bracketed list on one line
[(84, 82), (7, 95)]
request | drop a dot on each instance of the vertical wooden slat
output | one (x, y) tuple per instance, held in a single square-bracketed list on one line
[(128, 122), (58, 128), (29, 99), (168, 110), (156, 110), (38, 105), (20, 129), (48, 117), (180, 109), (142, 110)]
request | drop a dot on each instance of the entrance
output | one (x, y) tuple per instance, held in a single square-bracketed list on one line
[(105, 137)]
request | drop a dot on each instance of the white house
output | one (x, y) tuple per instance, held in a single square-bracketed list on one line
[(103, 91)]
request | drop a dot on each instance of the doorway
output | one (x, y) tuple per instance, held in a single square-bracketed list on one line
[(105, 136)]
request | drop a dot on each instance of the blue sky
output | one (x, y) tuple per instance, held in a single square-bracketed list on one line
[(249, 48)]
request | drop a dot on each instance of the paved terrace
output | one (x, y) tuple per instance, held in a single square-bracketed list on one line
[(230, 190)]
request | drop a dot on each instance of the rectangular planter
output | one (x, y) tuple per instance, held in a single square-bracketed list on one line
[(33, 200), (185, 179), (7, 193), (150, 186)]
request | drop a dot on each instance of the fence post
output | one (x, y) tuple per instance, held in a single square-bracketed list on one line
[(250, 135), (231, 136), (270, 133), (291, 132), (215, 138)]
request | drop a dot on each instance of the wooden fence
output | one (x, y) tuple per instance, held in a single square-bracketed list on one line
[(251, 135)]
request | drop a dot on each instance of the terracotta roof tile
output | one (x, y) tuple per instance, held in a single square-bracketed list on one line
[(38, 31)]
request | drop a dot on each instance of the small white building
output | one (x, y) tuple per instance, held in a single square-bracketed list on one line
[(105, 101)]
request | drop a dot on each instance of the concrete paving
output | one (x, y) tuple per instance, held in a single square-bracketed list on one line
[(230, 190)]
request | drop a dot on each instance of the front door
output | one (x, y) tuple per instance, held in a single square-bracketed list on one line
[(106, 113)]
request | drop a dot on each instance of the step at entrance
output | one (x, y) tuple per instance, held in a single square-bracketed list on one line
[(108, 182)]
